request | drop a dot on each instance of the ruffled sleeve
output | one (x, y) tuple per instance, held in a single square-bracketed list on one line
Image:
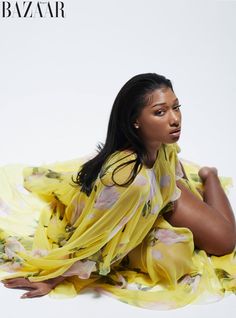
[(178, 169), (53, 182), (111, 221), (178, 173)]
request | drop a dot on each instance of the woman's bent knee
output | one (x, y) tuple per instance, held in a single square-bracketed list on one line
[(224, 245)]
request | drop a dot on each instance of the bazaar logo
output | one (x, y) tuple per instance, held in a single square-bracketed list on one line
[(30, 9)]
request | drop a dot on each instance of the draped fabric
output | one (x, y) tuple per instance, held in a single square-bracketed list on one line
[(114, 240)]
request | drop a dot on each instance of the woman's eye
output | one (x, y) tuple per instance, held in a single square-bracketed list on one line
[(177, 106), (160, 113)]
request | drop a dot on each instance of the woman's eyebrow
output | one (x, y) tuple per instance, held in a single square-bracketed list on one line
[(157, 104)]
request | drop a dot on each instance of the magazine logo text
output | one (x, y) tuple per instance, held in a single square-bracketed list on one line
[(32, 9)]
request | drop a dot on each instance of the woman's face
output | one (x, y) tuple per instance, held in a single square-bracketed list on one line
[(159, 118)]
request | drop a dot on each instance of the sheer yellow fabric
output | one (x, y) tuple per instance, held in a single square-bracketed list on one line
[(115, 240)]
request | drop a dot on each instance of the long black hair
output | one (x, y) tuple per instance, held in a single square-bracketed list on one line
[(121, 133)]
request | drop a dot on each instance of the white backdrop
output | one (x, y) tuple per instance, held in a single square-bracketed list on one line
[(59, 78)]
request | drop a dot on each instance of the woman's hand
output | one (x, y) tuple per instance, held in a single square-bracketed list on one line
[(36, 289)]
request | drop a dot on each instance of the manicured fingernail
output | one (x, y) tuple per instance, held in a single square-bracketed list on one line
[(24, 296)]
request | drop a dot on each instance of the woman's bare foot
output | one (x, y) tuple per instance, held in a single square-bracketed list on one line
[(204, 172)]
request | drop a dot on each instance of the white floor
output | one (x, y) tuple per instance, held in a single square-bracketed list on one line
[(92, 306)]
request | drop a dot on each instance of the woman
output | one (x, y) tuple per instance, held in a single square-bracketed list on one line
[(133, 220)]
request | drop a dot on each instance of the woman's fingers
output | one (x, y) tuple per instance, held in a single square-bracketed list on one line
[(40, 290), (34, 293), (17, 283)]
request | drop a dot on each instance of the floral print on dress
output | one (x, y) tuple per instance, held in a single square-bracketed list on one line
[(118, 227), (169, 237), (9, 260), (38, 172), (157, 254), (77, 210), (146, 209), (153, 184), (192, 281), (11, 267), (110, 259), (165, 181), (155, 209), (140, 180), (12, 246), (39, 252), (82, 269), (123, 221), (53, 174), (107, 198)]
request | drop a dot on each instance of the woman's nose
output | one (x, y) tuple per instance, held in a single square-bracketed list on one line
[(174, 117)]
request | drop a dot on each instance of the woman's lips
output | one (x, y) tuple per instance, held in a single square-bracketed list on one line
[(176, 134)]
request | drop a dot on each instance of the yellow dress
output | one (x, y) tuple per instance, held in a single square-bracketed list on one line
[(116, 240)]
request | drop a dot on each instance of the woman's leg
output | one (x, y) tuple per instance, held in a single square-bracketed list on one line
[(214, 194), (212, 230)]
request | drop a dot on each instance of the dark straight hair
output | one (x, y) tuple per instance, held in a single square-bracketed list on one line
[(121, 133)]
